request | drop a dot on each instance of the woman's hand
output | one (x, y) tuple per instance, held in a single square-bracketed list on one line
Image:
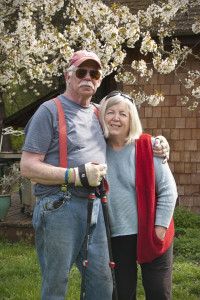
[(160, 232)]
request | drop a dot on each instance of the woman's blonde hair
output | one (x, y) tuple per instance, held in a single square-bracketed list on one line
[(135, 124)]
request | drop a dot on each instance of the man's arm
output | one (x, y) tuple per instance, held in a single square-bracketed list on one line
[(32, 166)]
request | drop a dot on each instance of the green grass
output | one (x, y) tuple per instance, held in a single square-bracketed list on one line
[(186, 279), (20, 274), (19, 271), (20, 277)]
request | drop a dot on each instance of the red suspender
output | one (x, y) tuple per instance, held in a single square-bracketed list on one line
[(63, 131), (96, 111), (62, 134)]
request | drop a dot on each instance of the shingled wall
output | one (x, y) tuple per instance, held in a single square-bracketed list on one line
[(180, 126)]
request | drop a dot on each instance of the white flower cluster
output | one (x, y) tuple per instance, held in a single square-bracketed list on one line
[(148, 44), (141, 97), (193, 76), (196, 27), (194, 105), (184, 100), (141, 67), (155, 99), (33, 39), (126, 77), (164, 66), (189, 83), (196, 92)]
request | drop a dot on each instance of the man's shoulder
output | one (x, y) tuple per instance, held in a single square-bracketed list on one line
[(96, 105), (48, 103)]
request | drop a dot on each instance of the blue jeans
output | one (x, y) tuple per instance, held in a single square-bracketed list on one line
[(60, 242)]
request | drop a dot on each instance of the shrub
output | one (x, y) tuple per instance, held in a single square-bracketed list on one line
[(184, 218), (187, 234), (188, 244)]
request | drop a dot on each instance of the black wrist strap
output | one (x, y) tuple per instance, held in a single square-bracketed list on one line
[(83, 176)]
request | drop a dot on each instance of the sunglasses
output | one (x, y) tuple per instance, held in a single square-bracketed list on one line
[(115, 93), (94, 74)]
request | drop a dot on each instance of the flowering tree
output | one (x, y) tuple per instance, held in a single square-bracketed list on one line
[(37, 38)]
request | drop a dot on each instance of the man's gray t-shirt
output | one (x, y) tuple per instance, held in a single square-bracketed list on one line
[(85, 140)]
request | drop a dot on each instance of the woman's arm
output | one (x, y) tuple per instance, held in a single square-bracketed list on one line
[(166, 193)]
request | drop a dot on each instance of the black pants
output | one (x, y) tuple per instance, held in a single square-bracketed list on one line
[(156, 276)]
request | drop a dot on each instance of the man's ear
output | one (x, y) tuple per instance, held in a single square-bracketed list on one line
[(67, 77)]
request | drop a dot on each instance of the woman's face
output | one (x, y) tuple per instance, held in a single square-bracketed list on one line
[(117, 120)]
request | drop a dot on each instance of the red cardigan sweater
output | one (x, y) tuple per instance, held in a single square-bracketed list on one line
[(149, 246)]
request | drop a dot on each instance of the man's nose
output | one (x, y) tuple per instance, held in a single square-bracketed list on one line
[(87, 76)]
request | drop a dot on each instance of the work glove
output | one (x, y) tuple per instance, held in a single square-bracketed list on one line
[(89, 174), (165, 147)]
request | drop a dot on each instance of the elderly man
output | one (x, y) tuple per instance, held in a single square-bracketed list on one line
[(60, 231), (60, 217)]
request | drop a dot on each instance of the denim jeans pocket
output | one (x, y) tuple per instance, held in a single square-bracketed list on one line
[(36, 216), (55, 202), (47, 205)]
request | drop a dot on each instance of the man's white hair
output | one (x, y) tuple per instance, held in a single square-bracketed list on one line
[(70, 69)]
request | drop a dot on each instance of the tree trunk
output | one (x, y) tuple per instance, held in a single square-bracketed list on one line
[(6, 145)]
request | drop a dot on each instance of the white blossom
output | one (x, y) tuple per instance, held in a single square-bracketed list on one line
[(196, 92), (126, 77), (164, 66), (184, 99), (148, 44), (189, 83), (155, 99), (138, 98), (194, 105), (141, 67), (196, 27)]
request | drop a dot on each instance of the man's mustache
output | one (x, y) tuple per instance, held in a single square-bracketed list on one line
[(88, 83)]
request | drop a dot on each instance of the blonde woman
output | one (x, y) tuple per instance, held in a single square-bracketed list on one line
[(141, 224)]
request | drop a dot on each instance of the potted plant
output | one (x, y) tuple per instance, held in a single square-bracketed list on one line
[(9, 183)]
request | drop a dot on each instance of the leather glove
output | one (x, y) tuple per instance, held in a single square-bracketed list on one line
[(165, 145), (89, 174)]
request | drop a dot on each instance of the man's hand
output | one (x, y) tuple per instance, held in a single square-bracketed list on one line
[(89, 174), (161, 148)]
